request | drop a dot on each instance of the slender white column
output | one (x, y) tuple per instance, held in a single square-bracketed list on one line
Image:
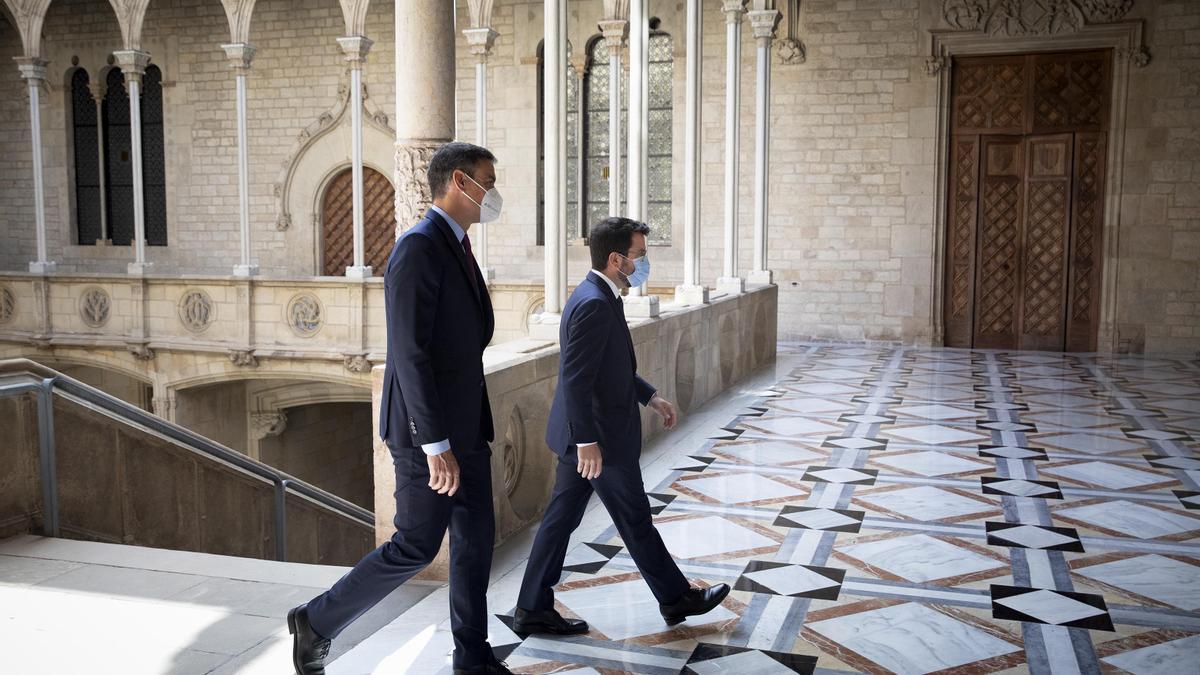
[(638, 303), (133, 65), (356, 48), (691, 292), (480, 41), (563, 167), (614, 33), (764, 22), (734, 10), (240, 56), (553, 123), (98, 96), (33, 70)]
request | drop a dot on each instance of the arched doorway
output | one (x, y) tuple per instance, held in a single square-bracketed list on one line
[(337, 222)]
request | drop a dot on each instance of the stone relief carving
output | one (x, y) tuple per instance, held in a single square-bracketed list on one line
[(304, 314), (140, 351), (8, 304), (412, 192), (1031, 17), (243, 358), (325, 122), (94, 306), (356, 363), (512, 452), (268, 423), (196, 311), (790, 50)]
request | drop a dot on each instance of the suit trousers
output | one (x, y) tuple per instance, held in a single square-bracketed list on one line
[(422, 518), (621, 491)]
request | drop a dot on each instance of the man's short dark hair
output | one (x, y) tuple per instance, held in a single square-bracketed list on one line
[(450, 157), (613, 235)]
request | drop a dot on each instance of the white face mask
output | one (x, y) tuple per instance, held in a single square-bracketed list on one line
[(489, 210)]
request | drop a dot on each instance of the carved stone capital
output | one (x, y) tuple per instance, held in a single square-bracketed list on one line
[(356, 363), (32, 68), (240, 55), (615, 32), (243, 358), (1139, 57), (412, 189), (734, 10), (480, 41), (355, 47), (764, 22), (265, 424), (132, 62)]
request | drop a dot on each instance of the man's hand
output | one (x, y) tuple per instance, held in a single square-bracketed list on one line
[(665, 410), (443, 473), (591, 460)]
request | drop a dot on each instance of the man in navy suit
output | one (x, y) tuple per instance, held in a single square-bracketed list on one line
[(596, 430), (435, 419)]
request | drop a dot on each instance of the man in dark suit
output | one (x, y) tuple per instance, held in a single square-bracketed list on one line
[(595, 429), (435, 419)]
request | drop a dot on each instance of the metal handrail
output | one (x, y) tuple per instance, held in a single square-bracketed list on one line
[(46, 387)]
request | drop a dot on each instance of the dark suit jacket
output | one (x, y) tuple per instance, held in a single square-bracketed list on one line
[(437, 328), (598, 385)]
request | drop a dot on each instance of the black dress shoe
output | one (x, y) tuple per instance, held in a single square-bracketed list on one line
[(495, 667), (550, 621), (695, 601), (308, 649)]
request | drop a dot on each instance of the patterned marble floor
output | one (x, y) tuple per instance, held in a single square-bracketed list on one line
[(915, 511)]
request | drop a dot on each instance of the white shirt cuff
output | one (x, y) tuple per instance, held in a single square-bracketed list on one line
[(580, 445), (438, 448)]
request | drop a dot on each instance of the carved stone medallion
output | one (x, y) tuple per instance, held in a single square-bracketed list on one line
[(304, 315), (94, 307), (196, 311)]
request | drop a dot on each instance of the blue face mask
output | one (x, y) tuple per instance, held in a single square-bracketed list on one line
[(641, 271)]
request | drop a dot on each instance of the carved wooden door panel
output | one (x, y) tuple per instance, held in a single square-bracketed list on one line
[(998, 291), (337, 222), (1025, 200)]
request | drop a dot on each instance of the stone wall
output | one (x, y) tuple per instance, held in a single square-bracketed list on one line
[(853, 177), (690, 354), (328, 445)]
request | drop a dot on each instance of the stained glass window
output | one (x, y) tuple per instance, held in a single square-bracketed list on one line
[(574, 230), (86, 150), (118, 160), (661, 98)]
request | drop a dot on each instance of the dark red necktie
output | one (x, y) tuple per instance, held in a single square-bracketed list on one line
[(466, 242)]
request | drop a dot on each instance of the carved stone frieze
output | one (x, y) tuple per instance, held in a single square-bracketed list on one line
[(1031, 17)]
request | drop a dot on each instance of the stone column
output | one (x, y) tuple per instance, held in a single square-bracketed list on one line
[(730, 281), (554, 127), (98, 93), (356, 47), (425, 83), (240, 56), (691, 292), (481, 41), (133, 65), (637, 303), (763, 22), (614, 32), (33, 70)]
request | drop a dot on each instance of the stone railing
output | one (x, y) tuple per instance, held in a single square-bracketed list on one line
[(691, 354)]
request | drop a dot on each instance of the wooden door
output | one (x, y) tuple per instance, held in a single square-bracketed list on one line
[(1025, 201), (337, 222)]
